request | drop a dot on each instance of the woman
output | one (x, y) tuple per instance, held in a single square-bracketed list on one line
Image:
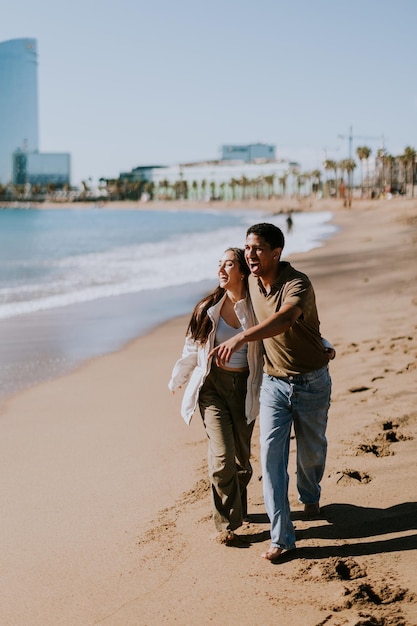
[(228, 396)]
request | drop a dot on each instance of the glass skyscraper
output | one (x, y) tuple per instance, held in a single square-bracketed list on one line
[(18, 101)]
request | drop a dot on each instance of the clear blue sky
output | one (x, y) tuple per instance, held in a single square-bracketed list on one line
[(128, 82)]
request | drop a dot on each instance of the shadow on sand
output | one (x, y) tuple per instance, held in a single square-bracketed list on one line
[(346, 521)]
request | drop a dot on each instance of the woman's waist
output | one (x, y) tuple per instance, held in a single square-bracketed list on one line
[(230, 369)]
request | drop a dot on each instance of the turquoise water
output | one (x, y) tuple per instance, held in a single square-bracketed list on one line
[(50, 259), (78, 283)]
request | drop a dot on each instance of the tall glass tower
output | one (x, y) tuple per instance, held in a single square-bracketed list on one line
[(18, 101)]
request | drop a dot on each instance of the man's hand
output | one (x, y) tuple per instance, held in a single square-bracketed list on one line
[(275, 324), (224, 351)]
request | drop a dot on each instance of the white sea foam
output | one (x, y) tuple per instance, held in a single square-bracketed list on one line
[(178, 260)]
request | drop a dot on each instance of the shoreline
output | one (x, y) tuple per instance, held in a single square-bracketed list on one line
[(184, 205), (43, 344), (273, 206), (57, 341), (106, 493)]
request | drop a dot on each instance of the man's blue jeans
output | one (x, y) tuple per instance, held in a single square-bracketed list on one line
[(304, 400)]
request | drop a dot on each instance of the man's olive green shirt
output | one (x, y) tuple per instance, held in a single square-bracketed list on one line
[(299, 350)]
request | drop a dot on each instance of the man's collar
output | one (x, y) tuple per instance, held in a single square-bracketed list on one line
[(282, 268)]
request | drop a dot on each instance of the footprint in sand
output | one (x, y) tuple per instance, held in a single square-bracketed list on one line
[(375, 448), (351, 477), (377, 604), (359, 389), (333, 568), (361, 602), (380, 445)]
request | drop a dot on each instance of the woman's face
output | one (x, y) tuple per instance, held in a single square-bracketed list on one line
[(230, 275)]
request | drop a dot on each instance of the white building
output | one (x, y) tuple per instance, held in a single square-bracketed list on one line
[(227, 180)]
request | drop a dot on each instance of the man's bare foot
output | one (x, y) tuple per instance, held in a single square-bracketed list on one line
[(275, 554), (311, 510)]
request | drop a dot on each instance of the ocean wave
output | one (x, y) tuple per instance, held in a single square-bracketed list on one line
[(181, 259)]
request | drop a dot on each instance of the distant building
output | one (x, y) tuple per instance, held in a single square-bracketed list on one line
[(226, 179), (41, 168), (143, 173), (18, 101), (248, 153), (20, 159)]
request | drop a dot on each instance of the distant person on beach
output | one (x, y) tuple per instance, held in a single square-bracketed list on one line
[(296, 383), (289, 222), (227, 394)]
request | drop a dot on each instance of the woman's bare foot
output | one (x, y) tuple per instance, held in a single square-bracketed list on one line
[(227, 537), (230, 538)]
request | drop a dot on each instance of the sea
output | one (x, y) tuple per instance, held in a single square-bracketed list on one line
[(80, 283)]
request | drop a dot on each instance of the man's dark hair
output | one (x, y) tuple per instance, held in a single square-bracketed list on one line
[(269, 232)]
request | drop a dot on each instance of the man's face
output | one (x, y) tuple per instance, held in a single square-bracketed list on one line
[(260, 257)]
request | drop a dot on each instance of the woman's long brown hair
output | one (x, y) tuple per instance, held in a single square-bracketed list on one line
[(200, 324)]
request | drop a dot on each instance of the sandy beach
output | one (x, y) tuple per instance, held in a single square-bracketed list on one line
[(106, 515)]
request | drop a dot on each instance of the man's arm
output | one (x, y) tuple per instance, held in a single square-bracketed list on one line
[(275, 324)]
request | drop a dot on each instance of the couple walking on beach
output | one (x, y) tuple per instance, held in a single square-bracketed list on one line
[(262, 309)]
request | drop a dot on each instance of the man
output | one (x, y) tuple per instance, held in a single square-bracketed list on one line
[(296, 382)]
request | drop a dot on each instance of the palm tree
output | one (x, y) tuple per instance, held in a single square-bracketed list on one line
[(408, 160), (390, 159), (404, 166), (136, 188), (259, 187), (194, 187), (295, 172), (367, 153), (84, 191), (349, 165), (269, 180), (307, 179), (283, 182), (203, 186), (361, 156), (149, 188), (380, 170), (330, 165), (299, 183), (234, 183), (342, 187), (165, 185), (302, 180), (244, 182), (316, 180)]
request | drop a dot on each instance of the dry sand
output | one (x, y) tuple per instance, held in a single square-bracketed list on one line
[(105, 501)]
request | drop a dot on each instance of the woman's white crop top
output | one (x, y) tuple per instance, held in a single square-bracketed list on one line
[(239, 359)]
